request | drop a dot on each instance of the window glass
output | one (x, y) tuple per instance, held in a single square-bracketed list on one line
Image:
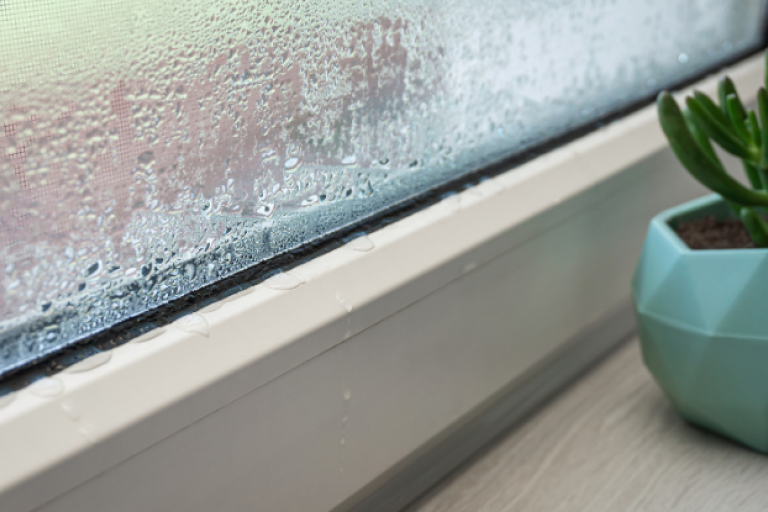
[(150, 148)]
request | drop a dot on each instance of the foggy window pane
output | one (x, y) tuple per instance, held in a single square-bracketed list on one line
[(150, 148)]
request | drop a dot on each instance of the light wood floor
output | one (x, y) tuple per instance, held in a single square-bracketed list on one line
[(609, 443)]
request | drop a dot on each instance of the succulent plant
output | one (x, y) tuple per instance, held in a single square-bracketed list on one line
[(742, 133)]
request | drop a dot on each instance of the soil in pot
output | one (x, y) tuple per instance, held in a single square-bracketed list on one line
[(712, 233)]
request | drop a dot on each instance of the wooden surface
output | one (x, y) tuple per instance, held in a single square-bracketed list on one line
[(611, 442)]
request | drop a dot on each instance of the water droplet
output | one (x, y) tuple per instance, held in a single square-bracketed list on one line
[(146, 157), (343, 441), (89, 432), (283, 281), (347, 393), (47, 387), (683, 58), (193, 323), (150, 335), (6, 400), (93, 269), (213, 307), (490, 186), (469, 267), (92, 362), (344, 302), (236, 294), (189, 270), (452, 203), (349, 160), (266, 210), (70, 410), (361, 243), (311, 200), (291, 163)]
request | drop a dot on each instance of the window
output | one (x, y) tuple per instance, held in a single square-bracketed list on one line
[(152, 149)]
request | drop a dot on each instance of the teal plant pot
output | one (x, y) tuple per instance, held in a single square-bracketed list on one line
[(703, 325)]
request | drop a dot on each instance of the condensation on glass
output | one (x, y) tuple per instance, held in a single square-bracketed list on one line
[(152, 147)]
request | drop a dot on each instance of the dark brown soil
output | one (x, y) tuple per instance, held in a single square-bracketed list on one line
[(711, 233)]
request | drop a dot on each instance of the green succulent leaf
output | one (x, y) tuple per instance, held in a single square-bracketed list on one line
[(754, 175), (720, 131), (736, 114), (700, 137), (754, 129), (725, 89), (713, 110), (696, 161), (762, 110), (757, 227)]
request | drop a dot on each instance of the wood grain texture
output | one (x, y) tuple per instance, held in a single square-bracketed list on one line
[(611, 442)]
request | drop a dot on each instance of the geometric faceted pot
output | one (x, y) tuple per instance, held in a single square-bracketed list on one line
[(702, 319)]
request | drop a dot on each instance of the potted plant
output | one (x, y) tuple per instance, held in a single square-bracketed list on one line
[(701, 285)]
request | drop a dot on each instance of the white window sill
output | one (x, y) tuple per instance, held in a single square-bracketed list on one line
[(293, 403)]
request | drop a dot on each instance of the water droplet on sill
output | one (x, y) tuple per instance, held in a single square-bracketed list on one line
[(452, 203), (347, 393), (149, 336), (469, 267), (235, 293), (6, 400), (490, 186), (193, 323), (47, 387), (89, 432), (92, 362), (283, 282), (213, 307), (70, 411), (349, 160), (362, 244), (344, 302)]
